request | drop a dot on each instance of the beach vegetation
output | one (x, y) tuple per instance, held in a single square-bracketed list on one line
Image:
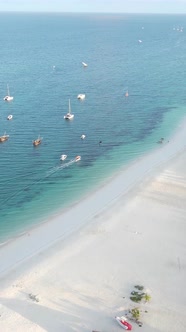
[(139, 287), (135, 312), (147, 297), (136, 296), (33, 297)]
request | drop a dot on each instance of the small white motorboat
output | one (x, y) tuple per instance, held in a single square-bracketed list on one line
[(77, 158), (122, 321), (10, 117), (140, 41), (81, 96), (84, 64), (63, 157), (83, 136)]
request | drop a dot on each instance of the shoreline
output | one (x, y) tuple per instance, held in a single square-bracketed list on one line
[(58, 211), (98, 200), (82, 274)]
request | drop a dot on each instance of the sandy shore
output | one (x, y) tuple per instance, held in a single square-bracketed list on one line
[(83, 264)]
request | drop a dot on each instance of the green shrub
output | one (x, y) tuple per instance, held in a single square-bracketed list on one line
[(139, 287), (135, 313), (147, 297), (136, 298)]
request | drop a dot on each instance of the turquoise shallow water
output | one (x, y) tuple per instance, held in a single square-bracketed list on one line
[(34, 184)]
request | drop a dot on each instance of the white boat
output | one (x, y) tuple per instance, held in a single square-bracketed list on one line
[(81, 96), (77, 158), (122, 321), (83, 136), (9, 117), (140, 41), (126, 93), (8, 97), (63, 157), (69, 115), (84, 64)]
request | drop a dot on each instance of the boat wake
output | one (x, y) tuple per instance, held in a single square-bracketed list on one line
[(40, 180), (58, 168)]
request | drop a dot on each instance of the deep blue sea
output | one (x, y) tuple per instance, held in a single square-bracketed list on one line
[(41, 59)]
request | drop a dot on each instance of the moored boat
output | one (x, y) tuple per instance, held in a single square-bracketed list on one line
[(37, 141), (69, 115), (8, 97), (81, 96), (10, 117), (4, 137)]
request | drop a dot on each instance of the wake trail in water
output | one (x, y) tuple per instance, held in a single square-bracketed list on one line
[(57, 168), (47, 174)]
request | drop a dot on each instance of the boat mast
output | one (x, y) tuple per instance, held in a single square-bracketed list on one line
[(69, 108), (8, 90)]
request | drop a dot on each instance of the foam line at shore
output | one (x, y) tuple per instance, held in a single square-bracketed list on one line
[(46, 234)]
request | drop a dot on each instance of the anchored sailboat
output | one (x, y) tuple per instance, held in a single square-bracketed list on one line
[(69, 115), (37, 141), (8, 97), (4, 138)]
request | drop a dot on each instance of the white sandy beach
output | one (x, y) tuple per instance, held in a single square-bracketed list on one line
[(83, 264)]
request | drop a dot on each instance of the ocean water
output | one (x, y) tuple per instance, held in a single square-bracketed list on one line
[(41, 61)]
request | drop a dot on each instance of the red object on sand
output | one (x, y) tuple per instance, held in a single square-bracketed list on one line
[(123, 323)]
